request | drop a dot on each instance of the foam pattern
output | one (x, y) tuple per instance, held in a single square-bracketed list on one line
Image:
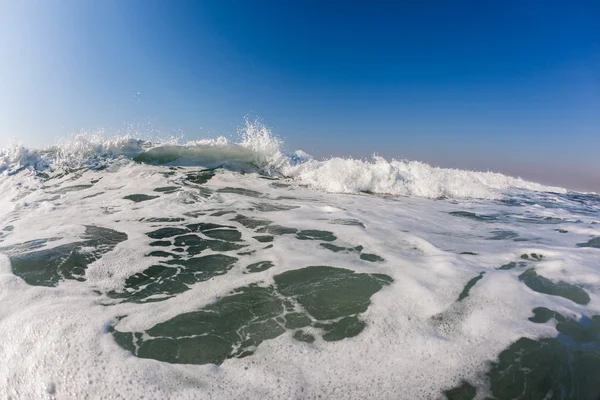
[(215, 270)]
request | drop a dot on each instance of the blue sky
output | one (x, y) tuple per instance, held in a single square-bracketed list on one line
[(511, 86)]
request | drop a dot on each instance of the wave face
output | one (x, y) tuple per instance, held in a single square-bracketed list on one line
[(262, 152), (214, 270)]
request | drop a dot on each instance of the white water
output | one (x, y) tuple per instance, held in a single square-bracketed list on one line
[(55, 340), (260, 150)]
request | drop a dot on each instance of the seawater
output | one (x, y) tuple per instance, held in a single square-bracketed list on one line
[(218, 269)]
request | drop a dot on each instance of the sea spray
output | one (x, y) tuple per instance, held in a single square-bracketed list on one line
[(260, 151)]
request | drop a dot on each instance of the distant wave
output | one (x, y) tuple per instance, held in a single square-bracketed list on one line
[(260, 151)]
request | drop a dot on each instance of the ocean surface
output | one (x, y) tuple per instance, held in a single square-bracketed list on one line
[(235, 270)]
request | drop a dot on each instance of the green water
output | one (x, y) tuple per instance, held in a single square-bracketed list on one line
[(138, 198), (310, 301), (260, 266), (595, 243), (241, 192), (545, 286), (563, 367), (48, 267)]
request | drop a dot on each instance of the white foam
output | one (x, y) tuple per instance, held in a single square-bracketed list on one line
[(407, 178), (260, 150), (55, 340)]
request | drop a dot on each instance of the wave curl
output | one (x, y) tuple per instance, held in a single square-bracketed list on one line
[(259, 150)]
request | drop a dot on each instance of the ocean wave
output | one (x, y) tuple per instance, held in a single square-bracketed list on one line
[(408, 178), (260, 151)]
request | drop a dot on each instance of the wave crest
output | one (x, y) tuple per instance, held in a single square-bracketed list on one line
[(407, 178), (259, 150)]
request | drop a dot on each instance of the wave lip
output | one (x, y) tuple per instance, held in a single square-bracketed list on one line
[(259, 150)]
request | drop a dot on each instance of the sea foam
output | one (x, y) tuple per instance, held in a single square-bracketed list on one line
[(259, 150), (96, 252)]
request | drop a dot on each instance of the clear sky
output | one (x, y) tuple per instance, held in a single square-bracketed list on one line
[(510, 86)]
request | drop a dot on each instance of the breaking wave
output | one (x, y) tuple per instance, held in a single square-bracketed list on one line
[(260, 151)]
